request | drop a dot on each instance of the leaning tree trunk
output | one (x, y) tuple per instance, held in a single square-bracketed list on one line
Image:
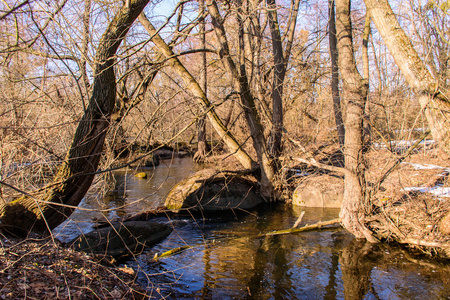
[(200, 96), (241, 85), (355, 93), (430, 96), (43, 211)]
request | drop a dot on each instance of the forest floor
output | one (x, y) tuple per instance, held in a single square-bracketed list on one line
[(43, 269), (412, 205)]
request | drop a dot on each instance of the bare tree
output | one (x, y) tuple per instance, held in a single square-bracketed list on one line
[(239, 78), (355, 88), (44, 210), (199, 94), (281, 59), (431, 97), (202, 147)]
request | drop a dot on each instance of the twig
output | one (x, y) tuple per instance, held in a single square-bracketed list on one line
[(311, 161), (299, 219), (171, 252), (424, 243)]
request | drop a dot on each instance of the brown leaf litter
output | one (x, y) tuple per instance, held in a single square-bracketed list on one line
[(43, 269)]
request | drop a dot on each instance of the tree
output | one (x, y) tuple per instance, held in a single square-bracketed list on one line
[(335, 74), (44, 210), (355, 88), (199, 94), (281, 59), (240, 83), (430, 95), (202, 147)]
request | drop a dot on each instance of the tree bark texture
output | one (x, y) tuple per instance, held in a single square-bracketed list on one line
[(199, 94), (278, 79), (431, 98), (44, 211), (335, 74), (202, 146), (355, 93)]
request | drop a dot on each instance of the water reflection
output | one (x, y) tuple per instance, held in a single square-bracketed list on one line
[(229, 260), (130, 196)]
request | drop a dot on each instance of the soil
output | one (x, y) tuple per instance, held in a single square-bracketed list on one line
[(43, 269)]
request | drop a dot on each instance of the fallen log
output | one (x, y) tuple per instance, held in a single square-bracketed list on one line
[(317, 225)]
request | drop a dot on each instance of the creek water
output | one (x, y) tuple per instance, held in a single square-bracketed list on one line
[(227, 258)]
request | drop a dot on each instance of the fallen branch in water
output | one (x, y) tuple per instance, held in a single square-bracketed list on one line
[(171, 252), (424, 243), (299, 219), (317, 225)]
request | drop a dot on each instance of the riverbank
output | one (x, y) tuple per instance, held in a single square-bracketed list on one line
[(408, 194), (43, 269)]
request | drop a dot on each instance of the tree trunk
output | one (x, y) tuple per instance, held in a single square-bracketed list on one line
[(278, 79), (355, 93), (195, 89), (280, 64), (365, 59), (240, 83), (430, 96), (43, 211), (202, 146), (335, 75)]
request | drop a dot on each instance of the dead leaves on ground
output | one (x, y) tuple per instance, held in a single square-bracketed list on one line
[(42, 269)]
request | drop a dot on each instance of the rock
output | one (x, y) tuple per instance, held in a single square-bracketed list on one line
[(152, 162), (211, 190), (121, 238), (319, 191)]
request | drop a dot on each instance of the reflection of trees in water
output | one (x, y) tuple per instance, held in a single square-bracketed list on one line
[(270, 270), (117, 197), (402, 276), (271, 261), (315, 265), (357, 261), (330, 289)]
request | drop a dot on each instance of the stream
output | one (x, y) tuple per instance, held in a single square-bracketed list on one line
[(226, 258)]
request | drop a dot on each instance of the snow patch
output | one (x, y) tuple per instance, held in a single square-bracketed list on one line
[(438, 191), (404, 143), (426, 166)]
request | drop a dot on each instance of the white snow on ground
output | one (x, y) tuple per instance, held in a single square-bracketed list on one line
[(403, 143), (426, 166), (436, 190)]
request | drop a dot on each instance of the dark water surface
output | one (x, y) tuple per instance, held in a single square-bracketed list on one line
[(228, 260)]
